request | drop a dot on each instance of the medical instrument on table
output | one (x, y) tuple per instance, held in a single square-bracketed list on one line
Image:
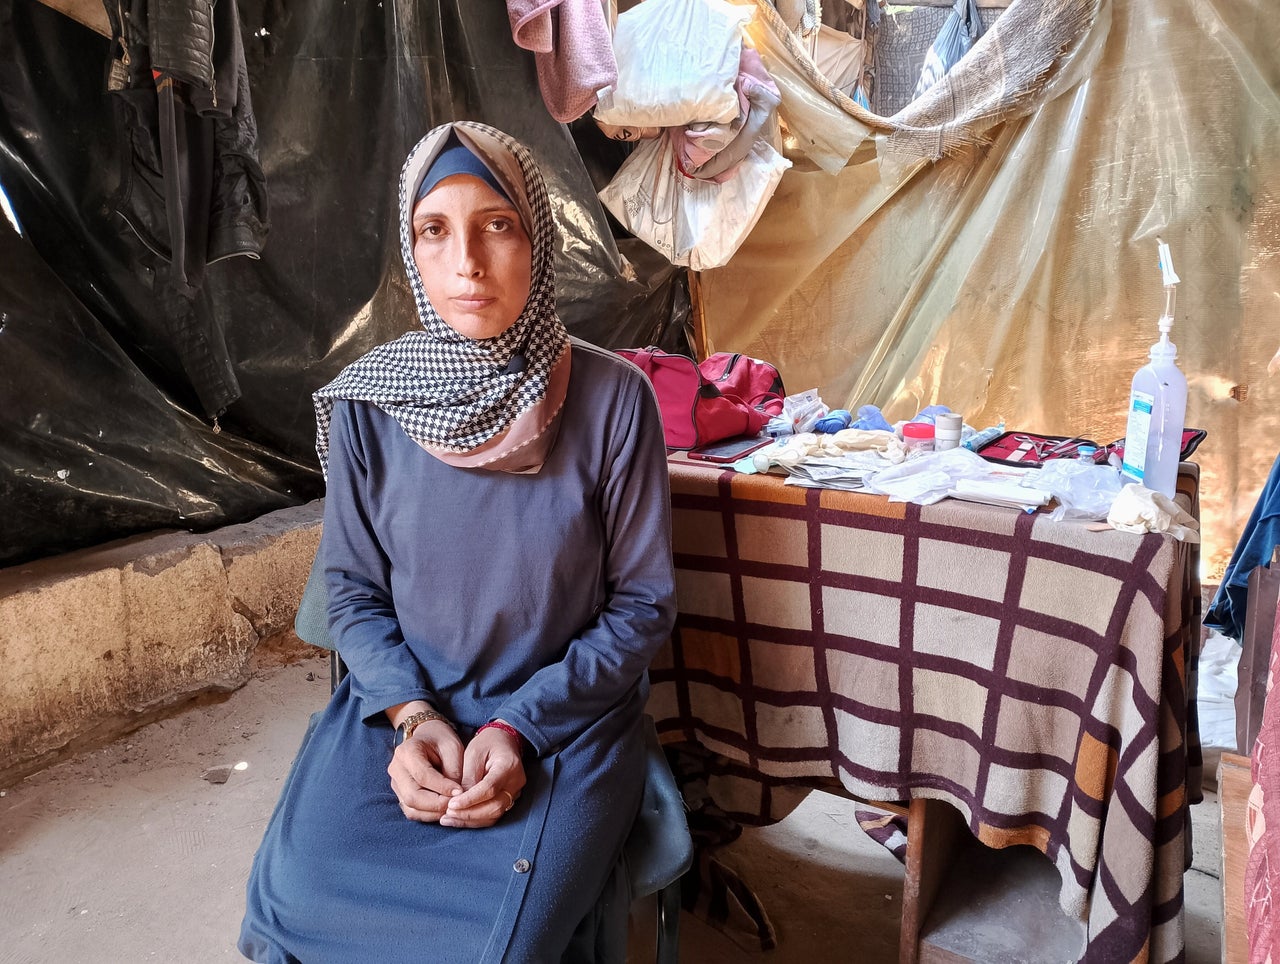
[(1027, 444), (1078, 439), (803, 409), (1028, 450)]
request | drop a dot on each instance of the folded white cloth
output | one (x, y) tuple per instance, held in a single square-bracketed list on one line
[(1139, 509), (790, 450), (991, 492)]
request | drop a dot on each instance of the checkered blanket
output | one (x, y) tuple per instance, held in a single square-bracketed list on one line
[(1032, 674)]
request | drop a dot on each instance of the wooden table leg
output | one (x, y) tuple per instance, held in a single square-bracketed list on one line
[(934, 831)]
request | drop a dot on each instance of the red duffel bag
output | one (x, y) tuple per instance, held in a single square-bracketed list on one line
[(754, 381), (695, 411)]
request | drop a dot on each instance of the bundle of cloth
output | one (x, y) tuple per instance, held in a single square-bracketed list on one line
[(699, 100), (712, 149)]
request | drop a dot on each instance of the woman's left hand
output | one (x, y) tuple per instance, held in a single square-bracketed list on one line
[(492, 778)]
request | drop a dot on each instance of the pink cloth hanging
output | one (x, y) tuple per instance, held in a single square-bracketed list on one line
[(1262, 826), (699, 143), (573, 50)]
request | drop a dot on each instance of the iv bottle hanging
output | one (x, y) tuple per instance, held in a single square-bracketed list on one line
[(1157, 404)]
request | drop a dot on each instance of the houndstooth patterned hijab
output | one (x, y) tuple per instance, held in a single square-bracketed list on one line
[(450, 393)]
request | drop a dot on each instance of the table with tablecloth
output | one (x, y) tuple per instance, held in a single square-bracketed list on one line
[(1034, 674)]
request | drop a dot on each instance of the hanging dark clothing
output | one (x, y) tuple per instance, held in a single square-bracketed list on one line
[(191, 186), (1257, 543)]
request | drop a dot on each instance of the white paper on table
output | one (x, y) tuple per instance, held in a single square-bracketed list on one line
[(999, 493)]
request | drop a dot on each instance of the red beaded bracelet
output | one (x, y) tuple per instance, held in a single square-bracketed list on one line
[(505, 728)]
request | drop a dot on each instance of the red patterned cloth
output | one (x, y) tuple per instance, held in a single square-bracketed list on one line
[(1262, 826)]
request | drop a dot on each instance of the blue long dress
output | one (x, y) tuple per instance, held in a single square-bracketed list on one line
[(539, 599)]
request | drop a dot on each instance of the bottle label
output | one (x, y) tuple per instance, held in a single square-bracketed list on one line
[(1136, 433)]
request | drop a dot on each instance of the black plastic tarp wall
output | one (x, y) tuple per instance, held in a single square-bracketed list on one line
[(107, 392)]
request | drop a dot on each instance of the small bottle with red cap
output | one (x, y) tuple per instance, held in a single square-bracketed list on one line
[(917, 437)]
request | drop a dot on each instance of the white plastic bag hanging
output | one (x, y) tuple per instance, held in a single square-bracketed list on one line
[(677, 64), (690, 221)]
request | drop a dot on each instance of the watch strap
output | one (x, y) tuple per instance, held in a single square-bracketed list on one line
[(415, 720)]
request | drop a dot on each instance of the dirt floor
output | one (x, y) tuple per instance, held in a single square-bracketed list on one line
[(134, 852)]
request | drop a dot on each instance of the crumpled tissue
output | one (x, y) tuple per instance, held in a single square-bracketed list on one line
[(1139, 509)]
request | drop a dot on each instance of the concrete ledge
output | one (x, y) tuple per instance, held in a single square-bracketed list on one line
[(97, 642)]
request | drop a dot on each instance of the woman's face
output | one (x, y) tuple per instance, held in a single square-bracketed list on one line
[(474, 256)]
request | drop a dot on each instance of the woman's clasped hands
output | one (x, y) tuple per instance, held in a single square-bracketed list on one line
[(439, 780)]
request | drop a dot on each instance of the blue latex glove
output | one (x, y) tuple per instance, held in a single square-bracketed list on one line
[(870, 420), (928, 412), (833, 422)]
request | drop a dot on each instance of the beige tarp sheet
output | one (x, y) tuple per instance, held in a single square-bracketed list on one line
[(1017, 280)]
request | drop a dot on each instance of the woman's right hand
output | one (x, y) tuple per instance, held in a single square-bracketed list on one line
[(426, 771)]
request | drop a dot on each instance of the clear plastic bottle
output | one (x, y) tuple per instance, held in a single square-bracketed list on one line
[(1157, 405)]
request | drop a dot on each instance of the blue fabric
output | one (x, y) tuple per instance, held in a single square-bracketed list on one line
[(1260, 537), (961, 30), (537, 598), (456, 159), (833, 422), (929, 413), (870, 418)]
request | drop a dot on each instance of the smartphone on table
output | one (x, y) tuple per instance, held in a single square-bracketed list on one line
[(728, 450)]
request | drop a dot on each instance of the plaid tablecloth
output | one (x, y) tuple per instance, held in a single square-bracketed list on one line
[(1033, 674)]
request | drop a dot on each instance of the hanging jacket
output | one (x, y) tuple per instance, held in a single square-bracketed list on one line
[(191, 188), (1257, 542)]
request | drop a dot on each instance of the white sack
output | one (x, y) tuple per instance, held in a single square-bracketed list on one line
[(677, 64), (691, 221)]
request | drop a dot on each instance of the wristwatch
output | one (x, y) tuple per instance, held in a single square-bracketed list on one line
[(415, 720)]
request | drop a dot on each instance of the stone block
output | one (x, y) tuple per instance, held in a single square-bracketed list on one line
[(267, 563), (98, 641)]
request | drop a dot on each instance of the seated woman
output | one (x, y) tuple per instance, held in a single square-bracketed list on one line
[(497, 553)]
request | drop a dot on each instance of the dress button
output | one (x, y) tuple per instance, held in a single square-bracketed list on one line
[(521, 866)]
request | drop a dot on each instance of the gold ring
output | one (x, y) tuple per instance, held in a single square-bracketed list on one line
[(511, 801)]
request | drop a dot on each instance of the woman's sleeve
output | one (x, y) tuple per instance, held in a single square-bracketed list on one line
[(362, 617), (606, 660)]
